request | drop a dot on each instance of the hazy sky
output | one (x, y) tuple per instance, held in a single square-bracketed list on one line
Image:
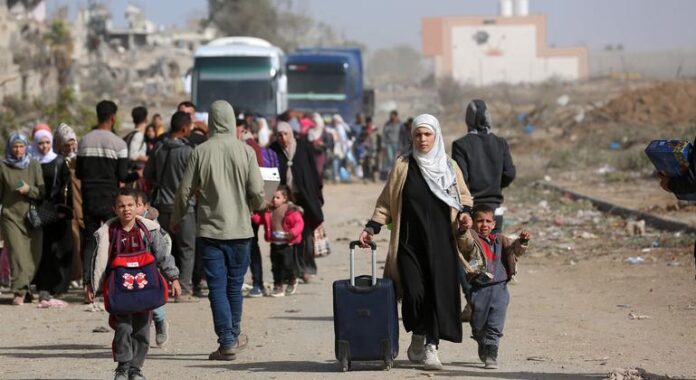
[(637, 24)]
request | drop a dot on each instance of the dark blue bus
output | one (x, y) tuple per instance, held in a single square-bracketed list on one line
[(327, 81)]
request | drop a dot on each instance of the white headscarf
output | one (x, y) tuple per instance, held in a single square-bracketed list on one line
[(289, 151), (63, 134), (264, 132), (51, 155), (316, 132), (435, 165)]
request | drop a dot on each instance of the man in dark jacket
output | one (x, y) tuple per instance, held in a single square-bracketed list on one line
[(165, 170), (484, 158), (199, 131), (102, 162)]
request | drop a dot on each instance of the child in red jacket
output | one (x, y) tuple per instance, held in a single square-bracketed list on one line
[(283, 227)]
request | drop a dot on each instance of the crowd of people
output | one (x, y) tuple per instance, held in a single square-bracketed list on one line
[(192, 196), (348, 152)]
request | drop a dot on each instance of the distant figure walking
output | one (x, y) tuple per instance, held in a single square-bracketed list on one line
[(296, 163), (484, 158)]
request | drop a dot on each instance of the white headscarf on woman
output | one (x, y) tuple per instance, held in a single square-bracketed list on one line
[(51, 155), (64, 133), (288, 150), (435, 165), (317, 131), (264, 132), (341, 127)]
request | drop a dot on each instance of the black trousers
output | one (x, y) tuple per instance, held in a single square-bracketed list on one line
[(93, 220), (256, 265), (55, 269), (283, 264), (305, 254), (183, 246)]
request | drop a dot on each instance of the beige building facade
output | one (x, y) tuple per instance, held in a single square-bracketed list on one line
[(508, 48)]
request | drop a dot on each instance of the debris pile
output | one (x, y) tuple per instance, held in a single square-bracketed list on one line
[(630, 374), (663, 103), (577, 231)]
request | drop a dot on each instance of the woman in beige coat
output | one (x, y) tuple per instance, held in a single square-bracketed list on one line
[(427, 204)]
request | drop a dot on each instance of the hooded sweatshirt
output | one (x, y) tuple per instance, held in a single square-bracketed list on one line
[(483, 157), (224, 175), (165, 170)]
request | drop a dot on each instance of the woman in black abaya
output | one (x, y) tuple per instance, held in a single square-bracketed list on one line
[(427, 203)]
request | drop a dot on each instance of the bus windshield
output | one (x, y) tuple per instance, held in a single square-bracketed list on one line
[(245, 82), (317, 81)]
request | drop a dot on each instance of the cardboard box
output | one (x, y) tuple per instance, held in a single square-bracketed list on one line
[(271, 180), (670, 157)]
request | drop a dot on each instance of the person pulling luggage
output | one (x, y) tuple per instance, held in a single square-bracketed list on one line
[(425, 185)]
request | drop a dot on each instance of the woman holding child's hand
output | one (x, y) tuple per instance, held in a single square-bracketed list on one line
[(428, 206)]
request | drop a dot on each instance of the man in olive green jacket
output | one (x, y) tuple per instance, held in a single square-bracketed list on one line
[(224, 176)]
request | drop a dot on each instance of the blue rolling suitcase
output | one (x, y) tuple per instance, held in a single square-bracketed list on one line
[(366, 322)]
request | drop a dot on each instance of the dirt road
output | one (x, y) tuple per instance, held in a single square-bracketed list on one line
[(568, 319)]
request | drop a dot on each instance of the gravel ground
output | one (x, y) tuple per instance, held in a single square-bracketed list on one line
[(569, 318)]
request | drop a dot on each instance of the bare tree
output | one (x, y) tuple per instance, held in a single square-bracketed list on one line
[(258, 18), (61, 44), (400, 64), (284, 23)]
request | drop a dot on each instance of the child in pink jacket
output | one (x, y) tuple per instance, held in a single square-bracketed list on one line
[(283, 227)]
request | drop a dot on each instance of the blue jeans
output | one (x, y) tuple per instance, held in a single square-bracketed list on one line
[(335, 168), (225, 262), (159, 314)]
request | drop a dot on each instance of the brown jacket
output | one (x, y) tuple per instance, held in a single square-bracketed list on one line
[(388, 211), (512, 249)]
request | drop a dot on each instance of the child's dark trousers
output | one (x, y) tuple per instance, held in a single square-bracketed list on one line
[(489, 309), (282, 263), (131, 338)]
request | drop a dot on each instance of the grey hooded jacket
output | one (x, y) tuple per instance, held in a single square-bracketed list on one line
[(224, 176)]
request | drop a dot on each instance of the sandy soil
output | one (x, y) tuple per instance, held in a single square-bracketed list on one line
[(568, 319)]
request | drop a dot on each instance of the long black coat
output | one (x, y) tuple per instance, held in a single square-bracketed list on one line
[(307, 184)]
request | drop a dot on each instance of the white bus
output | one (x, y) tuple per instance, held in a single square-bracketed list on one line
[(247, 72)]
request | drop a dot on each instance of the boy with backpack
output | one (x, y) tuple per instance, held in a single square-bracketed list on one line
[(159, 315), (128, 250)]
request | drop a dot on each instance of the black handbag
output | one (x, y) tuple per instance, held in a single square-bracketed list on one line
[(46, 212)]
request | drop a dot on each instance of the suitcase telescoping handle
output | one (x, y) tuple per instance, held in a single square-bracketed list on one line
[(373, 246)]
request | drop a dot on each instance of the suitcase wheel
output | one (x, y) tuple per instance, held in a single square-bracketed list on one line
[(343, 355), (345, 364), (388, 364)]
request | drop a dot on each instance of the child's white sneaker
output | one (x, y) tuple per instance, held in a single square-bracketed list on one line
[(416, 351), (432, 362)]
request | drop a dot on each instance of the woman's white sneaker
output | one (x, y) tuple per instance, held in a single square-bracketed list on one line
[(432, 363)]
